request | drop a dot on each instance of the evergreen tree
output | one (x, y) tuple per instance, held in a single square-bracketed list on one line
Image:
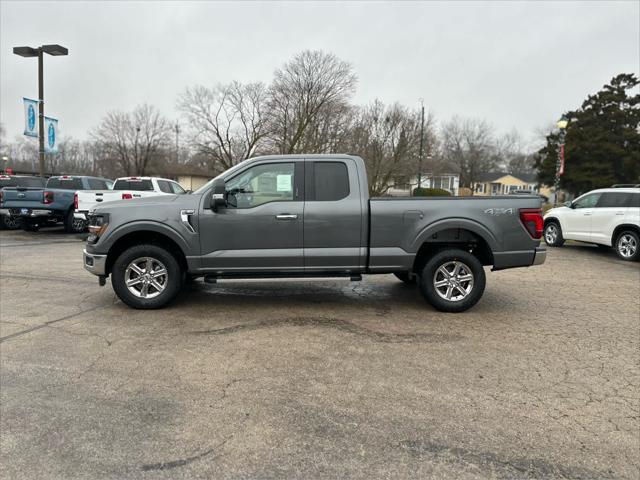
[(602, 145)]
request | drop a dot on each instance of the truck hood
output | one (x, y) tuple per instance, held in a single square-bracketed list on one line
[(150, 206)]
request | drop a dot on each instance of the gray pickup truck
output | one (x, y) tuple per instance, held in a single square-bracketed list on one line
[(293, 216)]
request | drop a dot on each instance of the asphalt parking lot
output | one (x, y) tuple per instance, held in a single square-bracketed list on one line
[(327, 379)]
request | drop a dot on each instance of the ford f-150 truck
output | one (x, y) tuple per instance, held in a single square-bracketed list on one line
[(125, 188), (54, 203), (309, 216), (22, 183)]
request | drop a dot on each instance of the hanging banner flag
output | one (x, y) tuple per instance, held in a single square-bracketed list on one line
[(50, 135), (30, 117)]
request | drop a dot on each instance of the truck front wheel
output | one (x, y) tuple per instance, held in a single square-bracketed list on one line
[(452, 280), (146, 276)]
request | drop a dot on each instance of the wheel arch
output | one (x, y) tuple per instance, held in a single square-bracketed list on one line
[(461, 238), (144, 236), (621, 228)]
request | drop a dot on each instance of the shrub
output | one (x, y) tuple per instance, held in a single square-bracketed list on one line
[(430, 192)]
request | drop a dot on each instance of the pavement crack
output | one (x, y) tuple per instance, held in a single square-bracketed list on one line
[(183, 461), (337, 324), (50, 322)]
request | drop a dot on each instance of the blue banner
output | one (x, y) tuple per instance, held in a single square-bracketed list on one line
[(50, 135), (30, 117)]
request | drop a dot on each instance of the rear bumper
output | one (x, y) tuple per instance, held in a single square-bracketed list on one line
[(5, 211), (522, 258), (541, 256), (96, 264), (81, 215)]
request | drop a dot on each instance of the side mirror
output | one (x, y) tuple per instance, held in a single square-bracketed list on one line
[(568, 204), (218, 196)]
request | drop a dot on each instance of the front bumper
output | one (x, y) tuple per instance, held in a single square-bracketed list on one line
[(96, 264), (541, 256)]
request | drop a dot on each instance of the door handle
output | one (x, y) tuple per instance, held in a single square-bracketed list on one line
[(619, 213), (286, 216), (586, 214)]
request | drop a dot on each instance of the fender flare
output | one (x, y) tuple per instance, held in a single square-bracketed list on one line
[(145, 226), (456, 223)]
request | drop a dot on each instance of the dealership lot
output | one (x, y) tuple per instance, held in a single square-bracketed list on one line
[(328, 379)]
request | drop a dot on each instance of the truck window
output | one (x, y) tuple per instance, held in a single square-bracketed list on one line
[(272, 182), (164, 186), (634, 200), (136, 185), (331, 181), (97, 184), (177, 189), (69, 183)]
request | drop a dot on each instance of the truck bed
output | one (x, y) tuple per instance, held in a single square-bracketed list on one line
[(399, 226)]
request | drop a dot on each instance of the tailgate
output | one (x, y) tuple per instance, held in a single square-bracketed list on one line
[(88, 199), (22, 197)]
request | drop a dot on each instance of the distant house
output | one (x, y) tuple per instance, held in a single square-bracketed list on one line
[(189, 177), (446, 181), (498, 183)]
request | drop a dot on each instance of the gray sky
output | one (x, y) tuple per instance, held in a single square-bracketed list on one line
[(517, 64)]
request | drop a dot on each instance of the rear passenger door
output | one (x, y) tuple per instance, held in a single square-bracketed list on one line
[(607, 215), (332, 216)]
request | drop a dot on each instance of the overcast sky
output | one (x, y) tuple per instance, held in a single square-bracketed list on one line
[(516, 64)]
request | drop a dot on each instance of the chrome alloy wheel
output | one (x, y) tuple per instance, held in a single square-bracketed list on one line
[(453, 281), (627, 245), (551, 233), (146, 277)]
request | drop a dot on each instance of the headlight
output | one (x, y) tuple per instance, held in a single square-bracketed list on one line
[(97, 226)]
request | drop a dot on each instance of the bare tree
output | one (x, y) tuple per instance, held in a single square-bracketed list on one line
[(134, 139), (514, 155), (227, 122), (387, 138), (468, 145), (308, 98)]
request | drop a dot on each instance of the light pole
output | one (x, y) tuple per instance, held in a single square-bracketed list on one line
[(177, 142), (562, 127), (54, 50), (421, 143)]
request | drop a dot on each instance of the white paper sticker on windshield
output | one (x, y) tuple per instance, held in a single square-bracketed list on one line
[(283, 183)]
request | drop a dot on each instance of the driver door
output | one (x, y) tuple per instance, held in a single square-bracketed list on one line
[(261, 227), (577, 222)]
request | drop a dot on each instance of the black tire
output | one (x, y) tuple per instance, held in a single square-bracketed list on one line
[(74, 225), (627, 245), (10, 222), (553, 234), (171, 282), (462, 264), (406, 277)]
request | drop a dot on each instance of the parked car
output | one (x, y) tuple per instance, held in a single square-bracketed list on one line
[(22, 183), (54, 203), (309, 216), (125, 188), (608, 217)]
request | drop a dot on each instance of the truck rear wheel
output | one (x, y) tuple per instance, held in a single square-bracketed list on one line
[(73, 224), (146, 276), (452, 280)]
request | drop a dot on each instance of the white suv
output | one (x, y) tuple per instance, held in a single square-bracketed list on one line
[(607, 217)]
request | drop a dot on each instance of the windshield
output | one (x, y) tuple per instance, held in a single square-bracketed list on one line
[(208, 185)]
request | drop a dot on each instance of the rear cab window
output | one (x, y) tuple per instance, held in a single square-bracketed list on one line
[(138, 185), (330, 182), (65, 183), (30, 182)]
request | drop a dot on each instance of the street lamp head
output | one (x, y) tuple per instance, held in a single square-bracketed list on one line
[(55, 50), (25, 51), (563, 122)]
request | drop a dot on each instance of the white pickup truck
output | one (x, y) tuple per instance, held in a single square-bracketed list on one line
[(124, 188)]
